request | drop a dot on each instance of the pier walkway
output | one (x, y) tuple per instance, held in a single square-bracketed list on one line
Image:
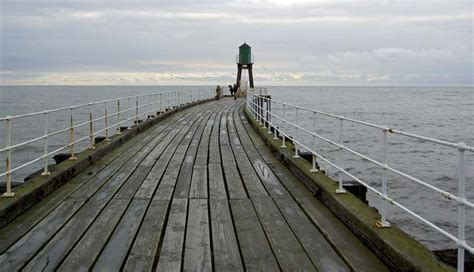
[(199, 191)]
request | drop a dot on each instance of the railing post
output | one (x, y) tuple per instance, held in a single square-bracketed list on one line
[(383, 223), (283, 140), (161, 102), (461, 206), (45, 147), (106, 120), (71, 135), (296, 156), (136, 110), (313, 167), (118, 118), (275, 134), (267, 116), (178, 97), (8, 160), (91, 129), (150, 102), (340, 189), (129, 113)]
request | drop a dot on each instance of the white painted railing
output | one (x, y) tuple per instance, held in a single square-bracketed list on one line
[(262, 108), (127, 112)]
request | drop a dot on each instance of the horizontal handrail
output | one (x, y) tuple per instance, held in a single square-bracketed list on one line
[(391, 130), (262, 109), (137, 106)]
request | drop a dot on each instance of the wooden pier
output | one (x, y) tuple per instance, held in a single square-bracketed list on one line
[(198, 191)]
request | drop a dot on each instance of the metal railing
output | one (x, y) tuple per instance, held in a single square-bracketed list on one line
[(260, 108), (128, 111)]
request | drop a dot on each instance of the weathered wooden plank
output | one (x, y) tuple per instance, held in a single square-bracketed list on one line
[(315, 245), (256, 251), (55, 250), (104, 181), (216, 181), (185, 174), (250, 156), (12, 232), (199, 182), (145, 247), (356, 254), (224, 242), (214, 149), (18, 254), (115, 251), (223, 134), (128, 190), (252, 183), (86, 251), (233, 181), (197, 250), (288, 250), (171, 251), (202, 154), (168, 182)]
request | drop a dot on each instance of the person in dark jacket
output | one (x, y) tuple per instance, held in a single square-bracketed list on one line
[(231, 90)]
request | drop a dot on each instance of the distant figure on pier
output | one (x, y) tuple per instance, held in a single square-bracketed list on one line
[(218, 92), (231, 90)]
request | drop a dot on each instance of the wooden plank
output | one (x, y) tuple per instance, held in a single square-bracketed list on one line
[(223, 135), (256, 251), (202, 154), (356, 254), (288, 250), (128, 190), (199, 182), (197, 250), (315, 245), (214, 149), (291, 183), (260, 169), (132, 162), (18, 254), (147, 189), (56, 250), (166, 187), (145, 247), (216, 181), (233, 181), (185, 174), (115, 252), (252, 182), (171, 251), (12, 232), (86, 251), (224, 242)]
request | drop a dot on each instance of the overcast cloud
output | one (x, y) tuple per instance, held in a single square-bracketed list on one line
[(327, 42)]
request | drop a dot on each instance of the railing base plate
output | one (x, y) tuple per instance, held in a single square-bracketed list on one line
[(8, 194)]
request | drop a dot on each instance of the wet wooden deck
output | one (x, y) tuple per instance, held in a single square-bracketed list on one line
[(197, 192)]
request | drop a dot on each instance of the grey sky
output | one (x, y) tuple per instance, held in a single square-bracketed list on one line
[(325, 42)]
